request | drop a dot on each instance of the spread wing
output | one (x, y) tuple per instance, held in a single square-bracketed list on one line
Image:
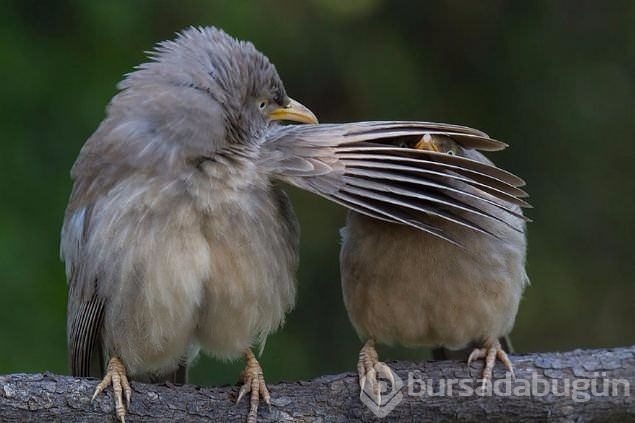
[(374, 168)]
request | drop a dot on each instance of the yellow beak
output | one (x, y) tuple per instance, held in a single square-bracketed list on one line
[(294, 112), (426, 143)]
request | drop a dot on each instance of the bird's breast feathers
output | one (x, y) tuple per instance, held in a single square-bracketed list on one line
[(181, 237)]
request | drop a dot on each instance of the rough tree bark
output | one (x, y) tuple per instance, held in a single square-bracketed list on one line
[(336, 398)]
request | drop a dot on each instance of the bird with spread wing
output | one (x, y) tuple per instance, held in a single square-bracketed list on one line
[(175, 237)]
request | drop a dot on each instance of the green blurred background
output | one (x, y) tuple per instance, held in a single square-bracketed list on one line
[(554, 79)]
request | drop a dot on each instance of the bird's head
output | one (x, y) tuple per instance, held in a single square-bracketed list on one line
[(447, 145), (202, 92)]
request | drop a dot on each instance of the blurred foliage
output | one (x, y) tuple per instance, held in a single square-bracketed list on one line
[(554, 79)]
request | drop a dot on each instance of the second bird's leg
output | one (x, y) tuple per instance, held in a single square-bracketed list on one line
[(491, 351), (369, 367), (253, 382), (116, 376)]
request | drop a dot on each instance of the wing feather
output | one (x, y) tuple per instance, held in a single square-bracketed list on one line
[(374, 169), (85, 312)]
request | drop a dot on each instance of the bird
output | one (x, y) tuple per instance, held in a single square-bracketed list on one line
[(413, 288), (177, 236)]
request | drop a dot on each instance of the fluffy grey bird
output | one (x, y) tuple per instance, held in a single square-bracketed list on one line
[(175, 238), (414, 288)]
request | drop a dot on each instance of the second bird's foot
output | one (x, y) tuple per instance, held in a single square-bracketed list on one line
[(253, 383), (490, 352), (116, 376), (369, 368)]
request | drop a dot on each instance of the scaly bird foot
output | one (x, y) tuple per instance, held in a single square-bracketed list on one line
[(368, 368), (253, 382), (116, 376), (490, 352)]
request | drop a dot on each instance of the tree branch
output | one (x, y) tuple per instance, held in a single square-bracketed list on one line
[(600, 385)]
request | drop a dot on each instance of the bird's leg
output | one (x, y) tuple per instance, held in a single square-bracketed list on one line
[(116, 376), (253, 382), (490, 351), (368, 367)]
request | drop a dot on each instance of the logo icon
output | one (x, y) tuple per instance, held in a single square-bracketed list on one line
[(381, 390)]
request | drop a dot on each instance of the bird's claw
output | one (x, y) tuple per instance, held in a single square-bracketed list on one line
[(490, 352), (254, 383), (369, 368), (116, 376)]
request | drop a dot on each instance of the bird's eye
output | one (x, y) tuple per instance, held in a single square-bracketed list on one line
[(451, 152), (262, 104)]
